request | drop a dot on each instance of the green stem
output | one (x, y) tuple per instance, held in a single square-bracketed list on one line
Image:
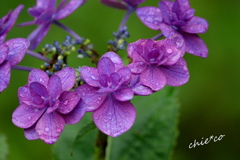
[(100, 146)]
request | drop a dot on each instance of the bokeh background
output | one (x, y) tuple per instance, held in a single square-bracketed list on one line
[(210, 103)]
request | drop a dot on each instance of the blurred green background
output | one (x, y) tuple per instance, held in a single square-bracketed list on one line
[(209, 101)]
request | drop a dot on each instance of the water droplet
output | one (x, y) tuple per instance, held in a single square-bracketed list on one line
[(169, 50), (29, 118), (99, 98), (83, 93), (65, 102), (46, 129), (36, 109), (59, 130)]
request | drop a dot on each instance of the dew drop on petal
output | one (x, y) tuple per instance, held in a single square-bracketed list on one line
[(46, 129), (65, 102), (36, 109), (169, 50), (99, 98), (29, 117)]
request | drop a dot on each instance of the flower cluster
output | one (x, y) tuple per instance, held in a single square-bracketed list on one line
[(59, 95)]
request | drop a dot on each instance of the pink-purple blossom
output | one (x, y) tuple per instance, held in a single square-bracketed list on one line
[(45, 14), (46, 105), (122, 4), (158, 63), (174, 18), (107, 93)]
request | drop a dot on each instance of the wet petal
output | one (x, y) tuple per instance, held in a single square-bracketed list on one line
[(125, 74), (176, 74), (71, 6), (68, 78), (17, 50), (38, 92), (167, 30), (37, 75), (76, 114), (150, 16), (166, 12), (184, 4), (5, 69), (3, 52), (30, 133), (49, 127), (26, 116), (114, 117), (195, 45), (106, 66), (90, 75), (2, 38), (68, 100), (124, 94), (116, 59), (54, 87), (137, 67), (138, 88), (153, 77), (196, 25)]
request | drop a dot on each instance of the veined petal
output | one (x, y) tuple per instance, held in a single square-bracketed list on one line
[(17, 49), (166, 12), (54, 87), (124, 94), (26, 116), (106, 66), (5, 69), (3, 52), (68, 100), (30, 133), (71, 6), (76, 114), (45, 16), (196, 25), (116, 59), (24, 95), (125, 74), (90, 75), (38, 92), (184, 4), (38, 34), (153, 77), (68, 78), (35, 11), (150, 16), (49, 127), (195, 45), (114, 117), (138, 88), (91, 96), (176, 74), (37, 75), (167, 30), (137, 67)]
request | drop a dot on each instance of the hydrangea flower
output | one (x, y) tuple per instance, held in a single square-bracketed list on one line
[(46, 105), (176, 17), (158, 63), (122, 4), (107, 94), (11, 53), (45, 13), (7, 22)]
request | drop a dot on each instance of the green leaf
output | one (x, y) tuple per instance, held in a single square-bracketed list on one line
[(3, 147), (154, 132)]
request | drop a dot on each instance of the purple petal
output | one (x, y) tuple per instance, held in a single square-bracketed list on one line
[(114, 117), (196, 25), (49, 127), (54, 87), (176, 74), (5, 69), (24, 95), (2, 38), (124, 94), (71, 6), (51, 3), (133, 3), (106, 66), (137, 67), (26, 116), (90, 96), (167, 30), (195, 45), (165, 10), (3, 52), (150, 16), (116, 59), (184, 4), (153, 77), (17, 50), (45, 16), (26, 23), (114, 4), (76, 114), (37, 75), (138, 88), (68, 78), (68, 100), (125, 74), (42, 3), (30, 133), (38, 34), (38, 92), (90, 75), (35, 11)]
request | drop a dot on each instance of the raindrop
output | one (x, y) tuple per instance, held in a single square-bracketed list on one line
[(169, 50), (66, 102), (99, 98), (46, 129), (36, 109), (29, 118)]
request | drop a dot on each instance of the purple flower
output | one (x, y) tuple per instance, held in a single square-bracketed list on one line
[(138, 88), (46, 105), (158, 63), (107, 94), (122, 4), (7, 22), (174, 18), (45, 13), (11, 53)]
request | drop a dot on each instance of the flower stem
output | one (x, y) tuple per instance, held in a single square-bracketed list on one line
[(38, 56), (125, 18), (100, 146), (22, 68), (157, 36), (71, 32)]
